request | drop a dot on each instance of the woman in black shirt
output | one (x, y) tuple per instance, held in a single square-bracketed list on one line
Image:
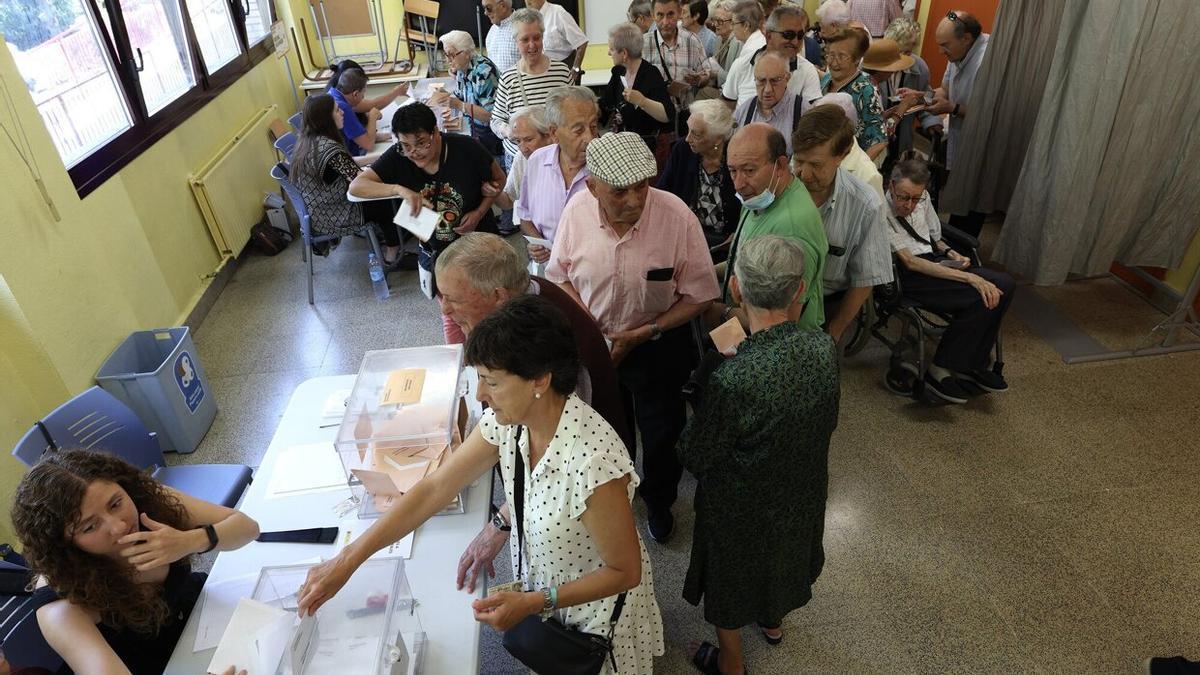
[(636, 98)]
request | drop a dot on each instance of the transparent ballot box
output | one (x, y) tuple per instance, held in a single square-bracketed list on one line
[(401, 423), (370, 627)]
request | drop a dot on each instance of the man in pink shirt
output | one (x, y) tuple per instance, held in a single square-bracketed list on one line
[(555, 173), (636, 257)]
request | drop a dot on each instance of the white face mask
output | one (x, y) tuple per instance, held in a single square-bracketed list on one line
[(761, 200)]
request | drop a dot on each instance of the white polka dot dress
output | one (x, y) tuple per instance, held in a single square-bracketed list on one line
[(584, 454)]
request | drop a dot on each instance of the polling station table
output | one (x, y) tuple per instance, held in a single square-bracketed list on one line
[(452, 633)]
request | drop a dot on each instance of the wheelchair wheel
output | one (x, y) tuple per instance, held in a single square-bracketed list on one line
[(902, 379)]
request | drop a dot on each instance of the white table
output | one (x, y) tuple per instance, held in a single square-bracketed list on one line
[(450, 626), (375, 83)]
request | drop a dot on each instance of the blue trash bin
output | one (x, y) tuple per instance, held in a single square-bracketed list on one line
[(158, 375)]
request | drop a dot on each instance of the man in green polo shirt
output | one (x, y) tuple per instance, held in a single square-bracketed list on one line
[(773, 202)]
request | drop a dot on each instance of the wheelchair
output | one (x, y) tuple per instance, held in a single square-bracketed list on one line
[(910, 357)]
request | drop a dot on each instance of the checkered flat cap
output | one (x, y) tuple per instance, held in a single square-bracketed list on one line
[(620, 159)]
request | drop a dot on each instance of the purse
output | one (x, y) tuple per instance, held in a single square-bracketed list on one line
[(547, 646)]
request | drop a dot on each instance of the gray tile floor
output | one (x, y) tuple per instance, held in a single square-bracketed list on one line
[(1050, 529)]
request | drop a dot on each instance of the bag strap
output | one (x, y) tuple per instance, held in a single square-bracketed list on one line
[(913, 233)]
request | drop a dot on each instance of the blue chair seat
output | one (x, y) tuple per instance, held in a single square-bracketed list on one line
[(217, 483)]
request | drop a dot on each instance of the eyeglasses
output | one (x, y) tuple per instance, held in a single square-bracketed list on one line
[(773, 81), (952, 16), (454, 55), (837, 57), (788, 35), (905, 199), (718, 22), (419, 146)]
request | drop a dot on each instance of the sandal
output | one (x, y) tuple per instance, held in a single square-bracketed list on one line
[(705, 659), (773, 641)]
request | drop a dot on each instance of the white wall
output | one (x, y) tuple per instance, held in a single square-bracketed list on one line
[(600, 15)]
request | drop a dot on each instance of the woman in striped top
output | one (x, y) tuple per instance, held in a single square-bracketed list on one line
[(528, 82)]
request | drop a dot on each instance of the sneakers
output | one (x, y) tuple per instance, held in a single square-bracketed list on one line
[(987, 380), (1174, 665), (661, 524), (948, 389)]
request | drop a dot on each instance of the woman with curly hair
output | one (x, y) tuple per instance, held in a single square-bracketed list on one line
[(110, 547)]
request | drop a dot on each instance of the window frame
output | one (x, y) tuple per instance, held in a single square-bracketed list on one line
[(106, 160)]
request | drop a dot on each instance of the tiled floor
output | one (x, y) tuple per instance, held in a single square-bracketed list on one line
[(1050, 529)]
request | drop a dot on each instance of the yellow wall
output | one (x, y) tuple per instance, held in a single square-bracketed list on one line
[(133, 254)]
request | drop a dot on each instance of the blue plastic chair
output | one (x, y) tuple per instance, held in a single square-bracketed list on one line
[(32, 446), (280, 173), (295, 121), (285, 144), (20, 636), (97, 420)]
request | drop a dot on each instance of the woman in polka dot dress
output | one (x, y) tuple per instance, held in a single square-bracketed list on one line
[(580, 543)]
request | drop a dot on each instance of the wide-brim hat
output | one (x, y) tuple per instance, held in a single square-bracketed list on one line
[(884, 55), (620, 159)]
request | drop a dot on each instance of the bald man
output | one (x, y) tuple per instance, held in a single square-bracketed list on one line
[(773, 202), (773, 103)]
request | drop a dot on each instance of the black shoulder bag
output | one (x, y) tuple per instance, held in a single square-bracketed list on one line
[(547, 646)]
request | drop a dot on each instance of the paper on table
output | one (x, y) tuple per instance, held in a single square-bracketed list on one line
[(728, 336), (303, 469), (422, 225), (352, 528), (335, 405), (217, 603), (241, 643)]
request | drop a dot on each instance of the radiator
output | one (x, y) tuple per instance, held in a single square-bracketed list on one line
[(229, 187)]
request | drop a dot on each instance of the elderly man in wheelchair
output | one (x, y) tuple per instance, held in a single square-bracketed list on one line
[(937, 289)]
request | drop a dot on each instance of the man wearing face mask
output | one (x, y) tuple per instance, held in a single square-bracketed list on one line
[(636, 258), (773, 202)]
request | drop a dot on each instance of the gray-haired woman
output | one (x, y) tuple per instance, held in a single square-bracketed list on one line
[(529, 81), (476, 79), (758, 446), (636, 98)]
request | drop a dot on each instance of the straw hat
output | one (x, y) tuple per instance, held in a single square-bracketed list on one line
[(884, 55)]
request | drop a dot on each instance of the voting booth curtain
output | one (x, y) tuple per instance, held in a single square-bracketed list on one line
[(1090, 109)]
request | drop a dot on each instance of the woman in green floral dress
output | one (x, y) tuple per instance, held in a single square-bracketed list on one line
[(758, 446)]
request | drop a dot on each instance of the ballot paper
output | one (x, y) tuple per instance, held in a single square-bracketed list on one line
[(352, 528), (422, 225), (538, 241), (218, 602), (254, 640), (305, 469), (728, 336)]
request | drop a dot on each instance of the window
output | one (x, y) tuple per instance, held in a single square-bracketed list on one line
[(214, 31), (72, 79), (111, 77)]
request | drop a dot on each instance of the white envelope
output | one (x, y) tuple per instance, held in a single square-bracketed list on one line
[(254, 640), (422, 225)]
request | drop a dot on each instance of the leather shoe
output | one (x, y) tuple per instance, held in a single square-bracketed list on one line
[(661, 524)]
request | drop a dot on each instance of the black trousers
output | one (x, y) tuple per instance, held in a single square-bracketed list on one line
[(651, 378), (381, 212), (967, 343)]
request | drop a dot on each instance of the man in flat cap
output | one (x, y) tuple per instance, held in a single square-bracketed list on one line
[(636, 257)]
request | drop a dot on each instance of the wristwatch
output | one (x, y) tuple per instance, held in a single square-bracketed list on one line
[(655, 331), (499, 523), (212, 537), (549, 602)]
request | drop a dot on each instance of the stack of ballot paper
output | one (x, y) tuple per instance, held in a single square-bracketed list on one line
[(264, 640)]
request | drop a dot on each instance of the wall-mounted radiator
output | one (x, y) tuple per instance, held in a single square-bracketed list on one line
[(229, 187)]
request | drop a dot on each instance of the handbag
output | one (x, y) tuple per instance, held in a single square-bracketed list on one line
[(547, 646)]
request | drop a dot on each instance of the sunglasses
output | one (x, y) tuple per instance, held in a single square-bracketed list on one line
[(952, 16), (788, 35)]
